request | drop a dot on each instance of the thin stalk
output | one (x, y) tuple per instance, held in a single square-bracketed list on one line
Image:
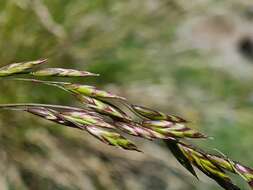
[(3, 106), (37, 81), (49, 83)]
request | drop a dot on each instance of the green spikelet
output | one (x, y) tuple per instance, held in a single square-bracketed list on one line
[(86, 118), (177, 130), (139, 131), (156, 115), (104, 108), (60, 72), (201, 161), (180, 156), (111, 138), (18, 68), (90, 91), (235, 167)]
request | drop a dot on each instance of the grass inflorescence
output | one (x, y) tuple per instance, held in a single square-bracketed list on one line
[(103, 119)]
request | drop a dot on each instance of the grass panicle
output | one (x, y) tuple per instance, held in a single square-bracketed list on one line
[(103, 119)]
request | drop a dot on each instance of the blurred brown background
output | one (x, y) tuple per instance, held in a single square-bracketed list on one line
[(192, 58)]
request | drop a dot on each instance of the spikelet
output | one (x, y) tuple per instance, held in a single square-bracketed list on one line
[(18, 68), (176, 130), (60, 72), (156, 115)]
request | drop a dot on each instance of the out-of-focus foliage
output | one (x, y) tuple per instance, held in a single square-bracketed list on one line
[(191, 59)]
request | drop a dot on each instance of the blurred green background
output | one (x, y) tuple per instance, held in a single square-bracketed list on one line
[(191, 58)]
